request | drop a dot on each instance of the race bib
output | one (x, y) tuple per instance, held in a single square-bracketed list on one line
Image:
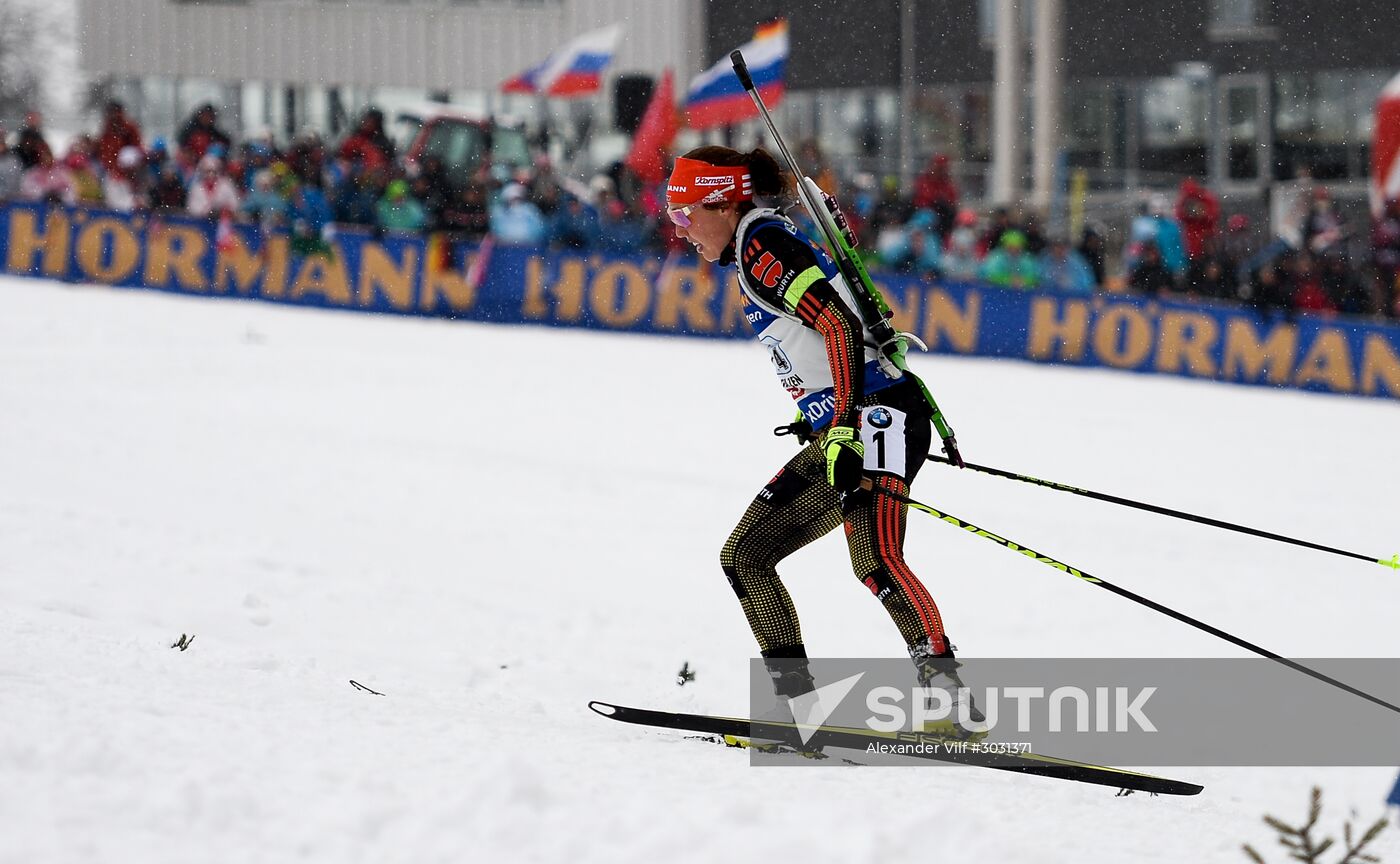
[(882, 433)]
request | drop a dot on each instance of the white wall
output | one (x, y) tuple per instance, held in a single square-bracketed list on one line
[(433, 44)]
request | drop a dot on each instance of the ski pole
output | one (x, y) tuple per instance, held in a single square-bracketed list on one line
[(874, 311), (1129, 595), (1392, 562)]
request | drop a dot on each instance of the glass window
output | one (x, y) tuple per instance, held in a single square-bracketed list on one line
[(938, 122), (1242, 131), (857, 130), (954, 120), (510, 146), (1094, 131), (1173, 125), (1313, 124), (987, 19), (1315, 106), (1173, 111), (1235, 14), (1084, 123)]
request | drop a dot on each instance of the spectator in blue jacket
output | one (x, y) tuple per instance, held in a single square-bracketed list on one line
[(357, 199), (1155, 225), (624, 230), (961, 259), (264, 204), (517, 222), (921, 251), (574, 226), (311, 218), (1064, 269)]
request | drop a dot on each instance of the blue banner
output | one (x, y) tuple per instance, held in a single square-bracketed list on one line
[(638, 294)]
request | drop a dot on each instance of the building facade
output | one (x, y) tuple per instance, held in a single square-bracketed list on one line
[(282, 64), (1243, 92)]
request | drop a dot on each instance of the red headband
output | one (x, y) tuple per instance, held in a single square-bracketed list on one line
[(696, 182)]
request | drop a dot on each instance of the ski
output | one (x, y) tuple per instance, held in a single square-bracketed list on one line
[(859, 739)]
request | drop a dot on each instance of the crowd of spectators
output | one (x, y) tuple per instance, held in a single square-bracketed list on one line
[(310, 186), (1187, 248), (1184, 249)]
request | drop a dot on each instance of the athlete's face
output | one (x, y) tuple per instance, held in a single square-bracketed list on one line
[(710, 231)]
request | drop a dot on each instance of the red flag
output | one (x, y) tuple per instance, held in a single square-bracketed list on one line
[(1385, 148), (655, 133)]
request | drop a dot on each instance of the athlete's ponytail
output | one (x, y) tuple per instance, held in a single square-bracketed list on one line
[(769, 178)]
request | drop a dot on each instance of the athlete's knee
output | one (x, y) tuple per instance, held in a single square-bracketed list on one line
[(729, 552), (731, 562)]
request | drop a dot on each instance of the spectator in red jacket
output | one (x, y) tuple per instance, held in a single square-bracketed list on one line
[(1309, 295), (936, 191), (118, 132), (1198, 213), (368, 144)]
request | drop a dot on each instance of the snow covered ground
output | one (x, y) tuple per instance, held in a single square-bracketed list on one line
[(494, 525)]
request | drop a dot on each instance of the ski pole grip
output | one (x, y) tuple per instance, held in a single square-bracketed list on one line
[(741, 68)]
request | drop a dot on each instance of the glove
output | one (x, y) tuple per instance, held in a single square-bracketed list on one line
[(845, 456), (799, 429), (950, 446)]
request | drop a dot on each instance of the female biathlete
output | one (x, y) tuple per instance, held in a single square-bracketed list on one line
[(854, 418)]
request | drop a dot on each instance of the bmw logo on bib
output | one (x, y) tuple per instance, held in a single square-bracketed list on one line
[(880, 418)]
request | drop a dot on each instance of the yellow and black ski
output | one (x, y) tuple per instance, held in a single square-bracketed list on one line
[(739, 729)]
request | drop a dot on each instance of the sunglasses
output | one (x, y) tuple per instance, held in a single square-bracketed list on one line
[(681, 215)]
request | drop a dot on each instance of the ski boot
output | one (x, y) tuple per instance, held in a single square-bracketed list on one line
[(965, 721), (791, 680)]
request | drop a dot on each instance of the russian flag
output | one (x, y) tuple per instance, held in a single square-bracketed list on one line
[(716, 98), (574, 69)]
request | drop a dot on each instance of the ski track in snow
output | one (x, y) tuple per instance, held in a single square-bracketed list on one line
[(493, 525)]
